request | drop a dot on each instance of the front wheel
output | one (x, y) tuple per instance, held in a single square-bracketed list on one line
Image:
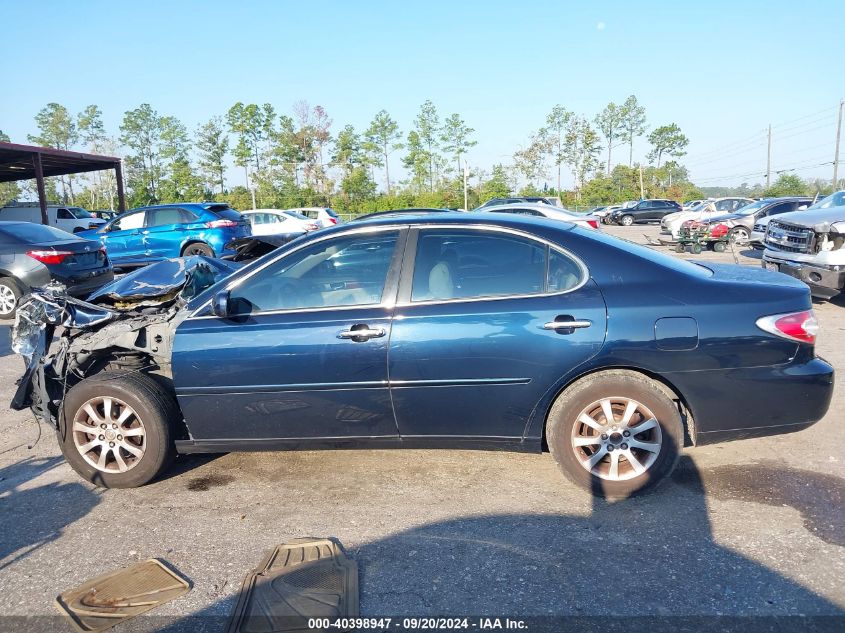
[(615, 433), (627, 220), (116, 430), (739, 235)]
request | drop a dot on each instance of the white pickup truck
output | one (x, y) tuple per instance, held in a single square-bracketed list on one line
[(808, 245)]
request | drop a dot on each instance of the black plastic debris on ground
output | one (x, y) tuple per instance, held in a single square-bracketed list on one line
[(305, 578)]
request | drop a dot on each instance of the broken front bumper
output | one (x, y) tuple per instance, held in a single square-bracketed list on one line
[(824, 282)]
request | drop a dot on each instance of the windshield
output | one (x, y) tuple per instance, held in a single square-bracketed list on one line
[(836, 199), (79, 213), (295, 214), (751, 209)]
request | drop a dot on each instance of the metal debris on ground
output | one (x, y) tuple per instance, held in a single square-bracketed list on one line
[(305, 578), (110, 599)]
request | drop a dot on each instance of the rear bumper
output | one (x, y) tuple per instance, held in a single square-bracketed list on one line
[(824, 282), (83, 286), (732, 404)]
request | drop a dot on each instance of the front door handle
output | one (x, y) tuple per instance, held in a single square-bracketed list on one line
[(360, 333), (567, 325)]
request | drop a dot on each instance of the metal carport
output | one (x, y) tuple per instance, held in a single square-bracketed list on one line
[(27, 162)]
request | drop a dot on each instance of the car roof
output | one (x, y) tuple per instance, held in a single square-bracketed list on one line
[(402, 213), (540, 206), (458, 219)]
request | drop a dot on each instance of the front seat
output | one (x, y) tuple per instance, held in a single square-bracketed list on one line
[(441, 279)]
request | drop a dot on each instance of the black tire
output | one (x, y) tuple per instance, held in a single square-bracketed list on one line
[(719, 247), (563, 425), (155, 411), (696, 248), (10, 292), (680, 248), (626, 220), (78, 229), (198, 248)]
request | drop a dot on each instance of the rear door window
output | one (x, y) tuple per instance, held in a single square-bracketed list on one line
[(454, 264), (165, 216)]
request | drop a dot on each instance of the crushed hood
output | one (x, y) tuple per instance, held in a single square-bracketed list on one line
[(820, 220), (163, 282)]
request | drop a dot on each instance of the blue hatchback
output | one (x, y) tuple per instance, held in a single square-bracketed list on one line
[(149, 234)]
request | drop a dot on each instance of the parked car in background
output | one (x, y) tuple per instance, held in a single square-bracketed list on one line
[(105, 214), (150, 234), (692, 203), (512, 200), (740, 224), (321, 216), (66, 218), (808, 245), (544, 211), (644, 211), (33, 255), (702, 212), (275, 222), (500, 330), (603, 213)]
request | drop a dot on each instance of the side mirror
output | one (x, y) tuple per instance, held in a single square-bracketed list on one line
[(220, 304)]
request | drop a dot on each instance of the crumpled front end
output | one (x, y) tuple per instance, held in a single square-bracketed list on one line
[(127, 325)]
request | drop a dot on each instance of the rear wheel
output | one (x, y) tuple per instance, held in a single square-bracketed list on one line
[(116, 430), (696, 248), (627, 220), (10, 294), (719, 247), (198, 248), (680, 248), (615, 433)]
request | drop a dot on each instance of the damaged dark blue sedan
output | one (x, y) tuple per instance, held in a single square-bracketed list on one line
[(435, 330)]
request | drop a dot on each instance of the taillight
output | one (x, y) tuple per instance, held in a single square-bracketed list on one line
[(795, 326), (720, 230), (332, 220), (593, 223), (221, 224), (49, 257)]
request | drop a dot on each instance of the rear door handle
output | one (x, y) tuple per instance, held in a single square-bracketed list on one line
[(361, 333), (566, 325)]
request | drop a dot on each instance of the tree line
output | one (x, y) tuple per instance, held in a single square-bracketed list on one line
[(300, 159)]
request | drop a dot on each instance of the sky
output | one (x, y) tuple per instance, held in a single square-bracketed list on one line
[(722, 70)]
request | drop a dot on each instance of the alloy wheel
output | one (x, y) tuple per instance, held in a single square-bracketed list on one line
[(8, 301), (616, 438), (740, 236), (627, 220), (109, 435)]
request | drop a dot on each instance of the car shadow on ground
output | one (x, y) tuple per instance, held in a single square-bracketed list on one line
[(653, 556), (32, 516)]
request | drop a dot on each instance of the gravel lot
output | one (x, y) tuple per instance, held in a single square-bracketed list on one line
[(753, 527)]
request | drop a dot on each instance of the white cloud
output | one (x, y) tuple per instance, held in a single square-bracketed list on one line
[(600, 26)]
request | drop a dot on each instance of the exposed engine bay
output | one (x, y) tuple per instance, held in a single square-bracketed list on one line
[(127, 325)]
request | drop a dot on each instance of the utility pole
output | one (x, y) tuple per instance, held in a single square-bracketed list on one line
[(836, 151), (642, 191), (769, 160), (466, 173)]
